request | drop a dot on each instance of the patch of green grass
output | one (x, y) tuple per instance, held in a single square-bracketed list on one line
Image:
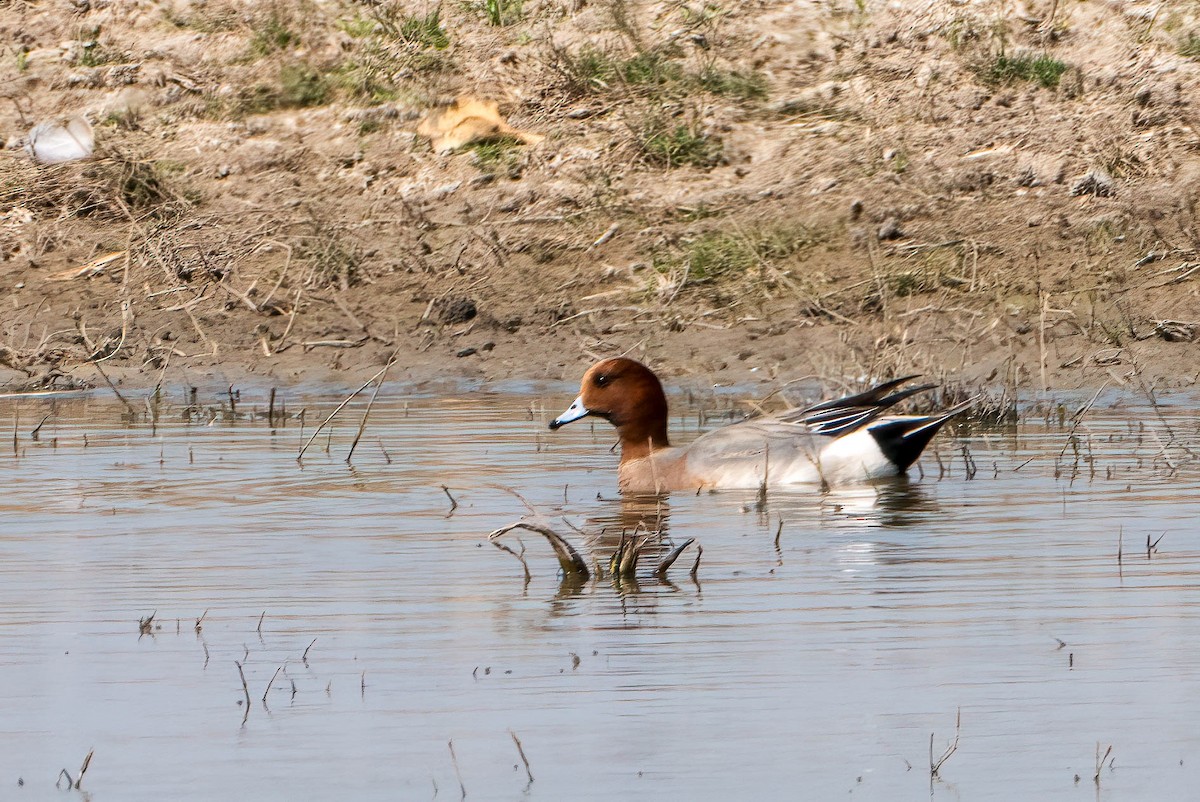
[(369, 126), (387, 44), (500, 155), (648, 68), (750, 85), (593, 69), (301, 86), (583, 71), (367, 73), (1039, 68), (672, 144), (273, 35), (422, 31), (650, 71), (715, 254), (718, 254), (358, 27), (498, 12), (1189, 46), (94, 54)]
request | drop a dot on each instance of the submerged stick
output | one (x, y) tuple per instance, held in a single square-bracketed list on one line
[(362, 425), (935, 766), (269, 684), (87, 761), (245, 689), (519, 555), (340, 406), (568, 557), (521, 752), (454, 760), (33, 435), (1100, 762), (665, 564), (453, 503)]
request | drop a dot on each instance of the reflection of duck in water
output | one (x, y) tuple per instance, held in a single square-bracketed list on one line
[(892, 502), (631, 516), (846, 440)]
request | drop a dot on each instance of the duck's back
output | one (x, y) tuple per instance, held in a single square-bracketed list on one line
[(744, 454)]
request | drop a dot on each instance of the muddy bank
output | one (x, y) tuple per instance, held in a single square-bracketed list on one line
[(974, 192)]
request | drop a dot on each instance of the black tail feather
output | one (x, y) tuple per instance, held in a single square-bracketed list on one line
[(876, 396), (902, 440)]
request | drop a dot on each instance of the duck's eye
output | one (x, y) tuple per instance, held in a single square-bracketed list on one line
[(601, 380)]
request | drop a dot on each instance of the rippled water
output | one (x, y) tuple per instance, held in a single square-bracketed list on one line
[(808, 661)]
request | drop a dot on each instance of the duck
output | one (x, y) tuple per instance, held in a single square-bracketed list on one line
[(846, 440)]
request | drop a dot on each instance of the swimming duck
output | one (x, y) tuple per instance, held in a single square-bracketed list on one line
[(846, 440)]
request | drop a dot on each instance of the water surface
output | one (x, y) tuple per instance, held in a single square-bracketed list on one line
[(810, 665)]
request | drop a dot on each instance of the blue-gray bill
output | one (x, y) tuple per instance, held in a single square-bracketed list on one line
[(574, 412)]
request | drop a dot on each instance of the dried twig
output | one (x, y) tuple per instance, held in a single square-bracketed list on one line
[(521, 752), (269, 684), (665, 564), (568, 557), (453, 503), (340, 406), (304, 657), (245, 689), (519, 555), (936, 766), (454, 760), (366, 413), (1100, 761)]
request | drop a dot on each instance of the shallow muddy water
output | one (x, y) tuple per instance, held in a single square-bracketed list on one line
[(812, 665)]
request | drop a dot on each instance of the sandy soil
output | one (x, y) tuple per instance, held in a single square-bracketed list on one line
[(733, 192)]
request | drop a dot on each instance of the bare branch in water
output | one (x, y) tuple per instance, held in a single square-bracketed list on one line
[(521, 752), (935, 766), (568, 558), (665, 564), (453, 503), (454, 760)]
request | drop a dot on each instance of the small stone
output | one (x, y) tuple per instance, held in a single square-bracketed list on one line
[(856, 209), (487, 346), (890, 229), (454, 310), (1095, 182), (465, 352)]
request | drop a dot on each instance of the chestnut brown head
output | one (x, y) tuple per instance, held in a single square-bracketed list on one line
[(628, 395)]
